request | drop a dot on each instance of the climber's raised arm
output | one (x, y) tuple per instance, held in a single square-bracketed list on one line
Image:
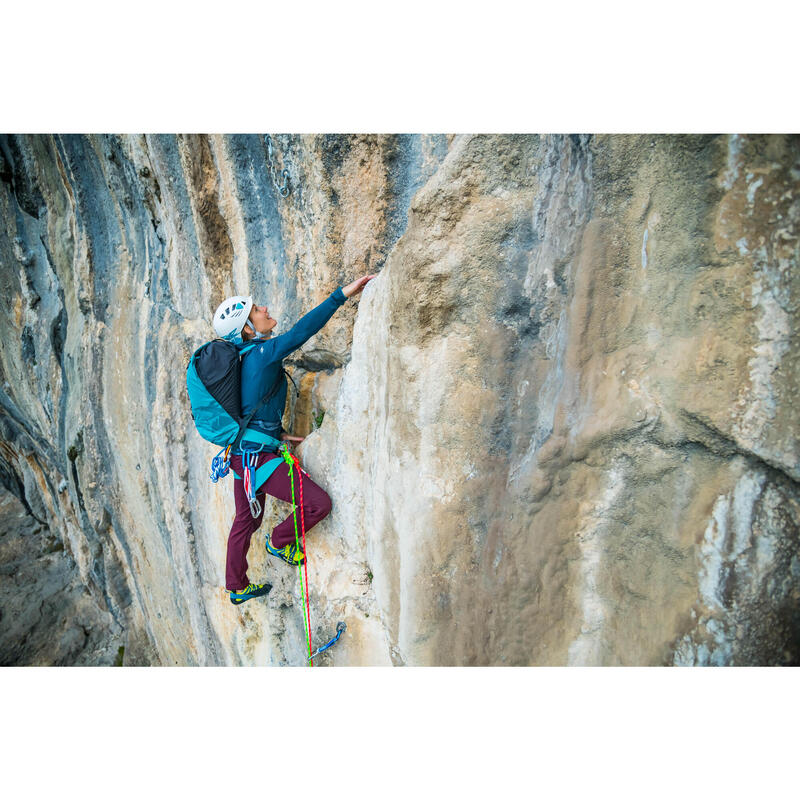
[(278, 347), (271, 349)]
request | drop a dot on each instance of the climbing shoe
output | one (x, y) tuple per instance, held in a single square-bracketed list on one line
[(252, 590), (291, 554)]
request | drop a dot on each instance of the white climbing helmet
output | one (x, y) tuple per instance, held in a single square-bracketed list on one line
[(231, 317)]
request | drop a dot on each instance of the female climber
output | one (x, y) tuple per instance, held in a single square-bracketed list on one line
[(240, 321)]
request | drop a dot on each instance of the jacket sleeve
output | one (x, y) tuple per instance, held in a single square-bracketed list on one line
[(277, 348)]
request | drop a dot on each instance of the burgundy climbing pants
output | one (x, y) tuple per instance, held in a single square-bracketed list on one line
[(316, 506)]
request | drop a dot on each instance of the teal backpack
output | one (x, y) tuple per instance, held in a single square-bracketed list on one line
[(213, 379)]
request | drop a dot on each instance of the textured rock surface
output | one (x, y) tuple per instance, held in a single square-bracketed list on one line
[(47, 615), (558, 428)]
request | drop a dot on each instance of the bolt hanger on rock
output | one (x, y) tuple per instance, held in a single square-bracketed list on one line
[(283, 190)]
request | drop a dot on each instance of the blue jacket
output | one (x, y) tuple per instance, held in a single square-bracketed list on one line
[(261, 365)]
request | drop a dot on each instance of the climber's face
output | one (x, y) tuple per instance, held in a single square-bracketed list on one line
[(260, 320)]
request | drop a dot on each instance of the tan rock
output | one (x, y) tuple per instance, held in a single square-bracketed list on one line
[(558, 428)]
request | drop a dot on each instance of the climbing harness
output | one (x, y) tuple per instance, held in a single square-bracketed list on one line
[(283, 190)]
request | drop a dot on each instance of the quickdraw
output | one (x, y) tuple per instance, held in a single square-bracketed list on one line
[(249, 464), (340, 629), (221, 464)]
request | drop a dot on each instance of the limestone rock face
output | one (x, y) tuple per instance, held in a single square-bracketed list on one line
[(47, 614), (558, 428)]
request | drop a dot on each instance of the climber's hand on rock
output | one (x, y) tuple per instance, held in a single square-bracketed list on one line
[(297, 439), (357, 285)]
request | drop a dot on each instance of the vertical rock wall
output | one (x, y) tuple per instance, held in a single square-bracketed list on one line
[(557, 429)]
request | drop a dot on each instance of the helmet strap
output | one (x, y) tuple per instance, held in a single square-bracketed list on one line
[(255, 335)]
